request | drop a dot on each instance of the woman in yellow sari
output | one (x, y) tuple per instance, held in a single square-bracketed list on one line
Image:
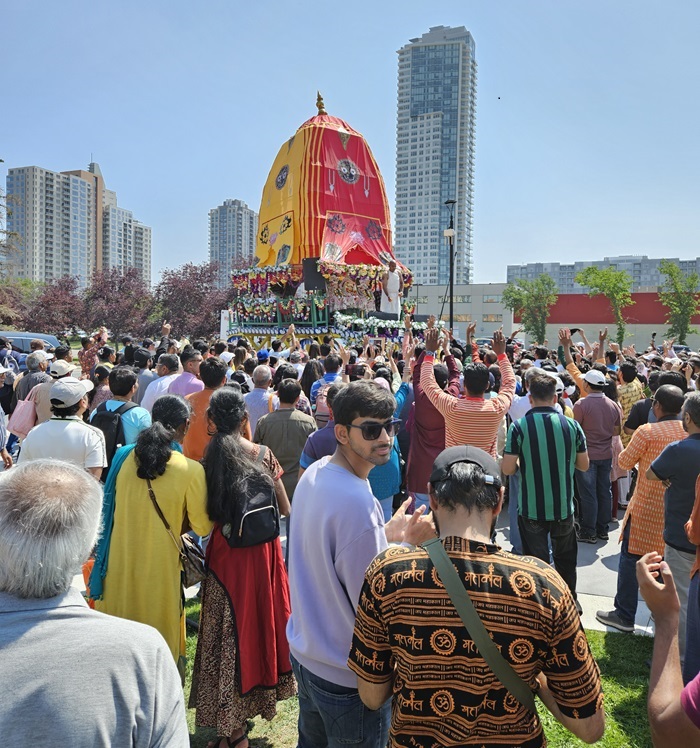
[(137, 566)]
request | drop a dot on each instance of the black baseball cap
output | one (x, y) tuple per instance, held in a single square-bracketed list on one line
[(474, 455), (142, 356)]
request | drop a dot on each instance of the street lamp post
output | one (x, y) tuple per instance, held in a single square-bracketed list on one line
[(450, 234)]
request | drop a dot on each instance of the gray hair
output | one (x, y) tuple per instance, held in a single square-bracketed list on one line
[(35, 360), (691, 406), (49, 521), (261, 374)]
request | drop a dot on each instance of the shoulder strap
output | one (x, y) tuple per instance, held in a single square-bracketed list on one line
[(162, 516), (123, 408), (470, 618), (261, 453)]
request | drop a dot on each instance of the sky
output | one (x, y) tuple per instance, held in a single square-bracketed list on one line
[(587, 112)]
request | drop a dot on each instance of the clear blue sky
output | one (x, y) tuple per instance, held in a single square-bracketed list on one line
[(591, 150)]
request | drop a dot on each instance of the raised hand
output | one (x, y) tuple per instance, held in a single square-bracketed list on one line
[(498, 344), (565, 337), (431, 338), (661, 598)]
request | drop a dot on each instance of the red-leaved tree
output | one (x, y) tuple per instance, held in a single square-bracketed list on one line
[(120, 300), (189, 300), (56, 309)]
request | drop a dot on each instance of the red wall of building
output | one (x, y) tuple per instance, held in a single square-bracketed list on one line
[(584, 309)]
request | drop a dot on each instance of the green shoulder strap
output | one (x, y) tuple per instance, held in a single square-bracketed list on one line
[(470, 618)]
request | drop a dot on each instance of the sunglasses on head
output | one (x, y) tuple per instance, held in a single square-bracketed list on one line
[(372, 430)]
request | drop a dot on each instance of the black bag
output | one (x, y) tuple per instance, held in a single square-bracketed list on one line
[(256, 517), (110, 424), (192, 560)]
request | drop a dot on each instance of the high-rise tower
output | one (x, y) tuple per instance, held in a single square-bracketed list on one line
[(435, 153), (69, 224), (233, 229)]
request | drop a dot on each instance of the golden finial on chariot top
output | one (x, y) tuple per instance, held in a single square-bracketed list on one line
[(319, 103)]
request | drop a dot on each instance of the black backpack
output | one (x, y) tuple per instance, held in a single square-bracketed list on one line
[(256, 517), (110, 424)]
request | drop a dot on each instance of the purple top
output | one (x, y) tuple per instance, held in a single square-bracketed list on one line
[(336, 509), (690, 700), (185, 384), (319, 444)]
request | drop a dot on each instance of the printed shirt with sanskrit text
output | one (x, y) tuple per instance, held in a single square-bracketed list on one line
[(444, 692)]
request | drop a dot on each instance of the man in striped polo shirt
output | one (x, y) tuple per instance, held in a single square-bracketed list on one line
[(548, 447), (470, 420)]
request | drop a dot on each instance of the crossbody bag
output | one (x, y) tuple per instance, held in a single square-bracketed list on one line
[(191, 556)]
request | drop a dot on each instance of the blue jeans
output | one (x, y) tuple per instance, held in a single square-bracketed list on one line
[(627, 587), (333, 716), (595, 490), (513, 491)]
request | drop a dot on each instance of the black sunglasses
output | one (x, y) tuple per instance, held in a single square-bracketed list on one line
[(372, 430)]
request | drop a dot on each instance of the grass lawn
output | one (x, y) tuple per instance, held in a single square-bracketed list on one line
[(622, 660)]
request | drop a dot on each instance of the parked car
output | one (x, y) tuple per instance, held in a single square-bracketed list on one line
[(677, 348), (21, 340)]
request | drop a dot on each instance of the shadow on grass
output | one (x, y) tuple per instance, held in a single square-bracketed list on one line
[(623, 666)]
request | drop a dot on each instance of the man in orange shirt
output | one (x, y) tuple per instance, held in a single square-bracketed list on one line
[(471, 420), (643, 526), (212, 372)]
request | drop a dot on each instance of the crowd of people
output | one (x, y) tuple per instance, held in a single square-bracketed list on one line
[(364, 455)]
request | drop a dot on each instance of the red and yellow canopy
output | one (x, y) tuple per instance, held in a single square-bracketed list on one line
[(324, 198)]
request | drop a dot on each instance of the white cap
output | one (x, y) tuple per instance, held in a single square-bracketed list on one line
[(595, 377), (69, 391), (60, 368)]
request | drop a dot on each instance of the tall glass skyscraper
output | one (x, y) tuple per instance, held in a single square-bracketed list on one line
[(233, 230), (435, 153)]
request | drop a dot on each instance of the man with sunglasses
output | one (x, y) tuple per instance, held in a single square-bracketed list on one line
[(338, 529)]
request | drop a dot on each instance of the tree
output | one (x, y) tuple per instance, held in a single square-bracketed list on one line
[(9, 240), (54, 310), (119, 299), (16, 297), (189, 300), (680, 295), (532, 300), (616, 285)]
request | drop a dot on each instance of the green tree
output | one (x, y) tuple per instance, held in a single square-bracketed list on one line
[(9, 240), (679, 294), (532, 300), (616, 286)]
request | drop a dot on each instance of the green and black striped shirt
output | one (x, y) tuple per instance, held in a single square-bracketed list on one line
[(546, 443)]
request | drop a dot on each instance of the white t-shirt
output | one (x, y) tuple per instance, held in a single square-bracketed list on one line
[(522, 405), (69, 439)]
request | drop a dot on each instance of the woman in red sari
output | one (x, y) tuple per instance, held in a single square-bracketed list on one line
[(242, 667)]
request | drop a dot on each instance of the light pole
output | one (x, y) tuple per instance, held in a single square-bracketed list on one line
[(450, 234)]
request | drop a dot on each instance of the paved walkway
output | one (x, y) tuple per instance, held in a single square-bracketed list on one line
[(597, 577)]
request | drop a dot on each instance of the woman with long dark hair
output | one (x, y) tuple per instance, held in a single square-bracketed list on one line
[(313, 371), (242, 667), (137, 565)]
